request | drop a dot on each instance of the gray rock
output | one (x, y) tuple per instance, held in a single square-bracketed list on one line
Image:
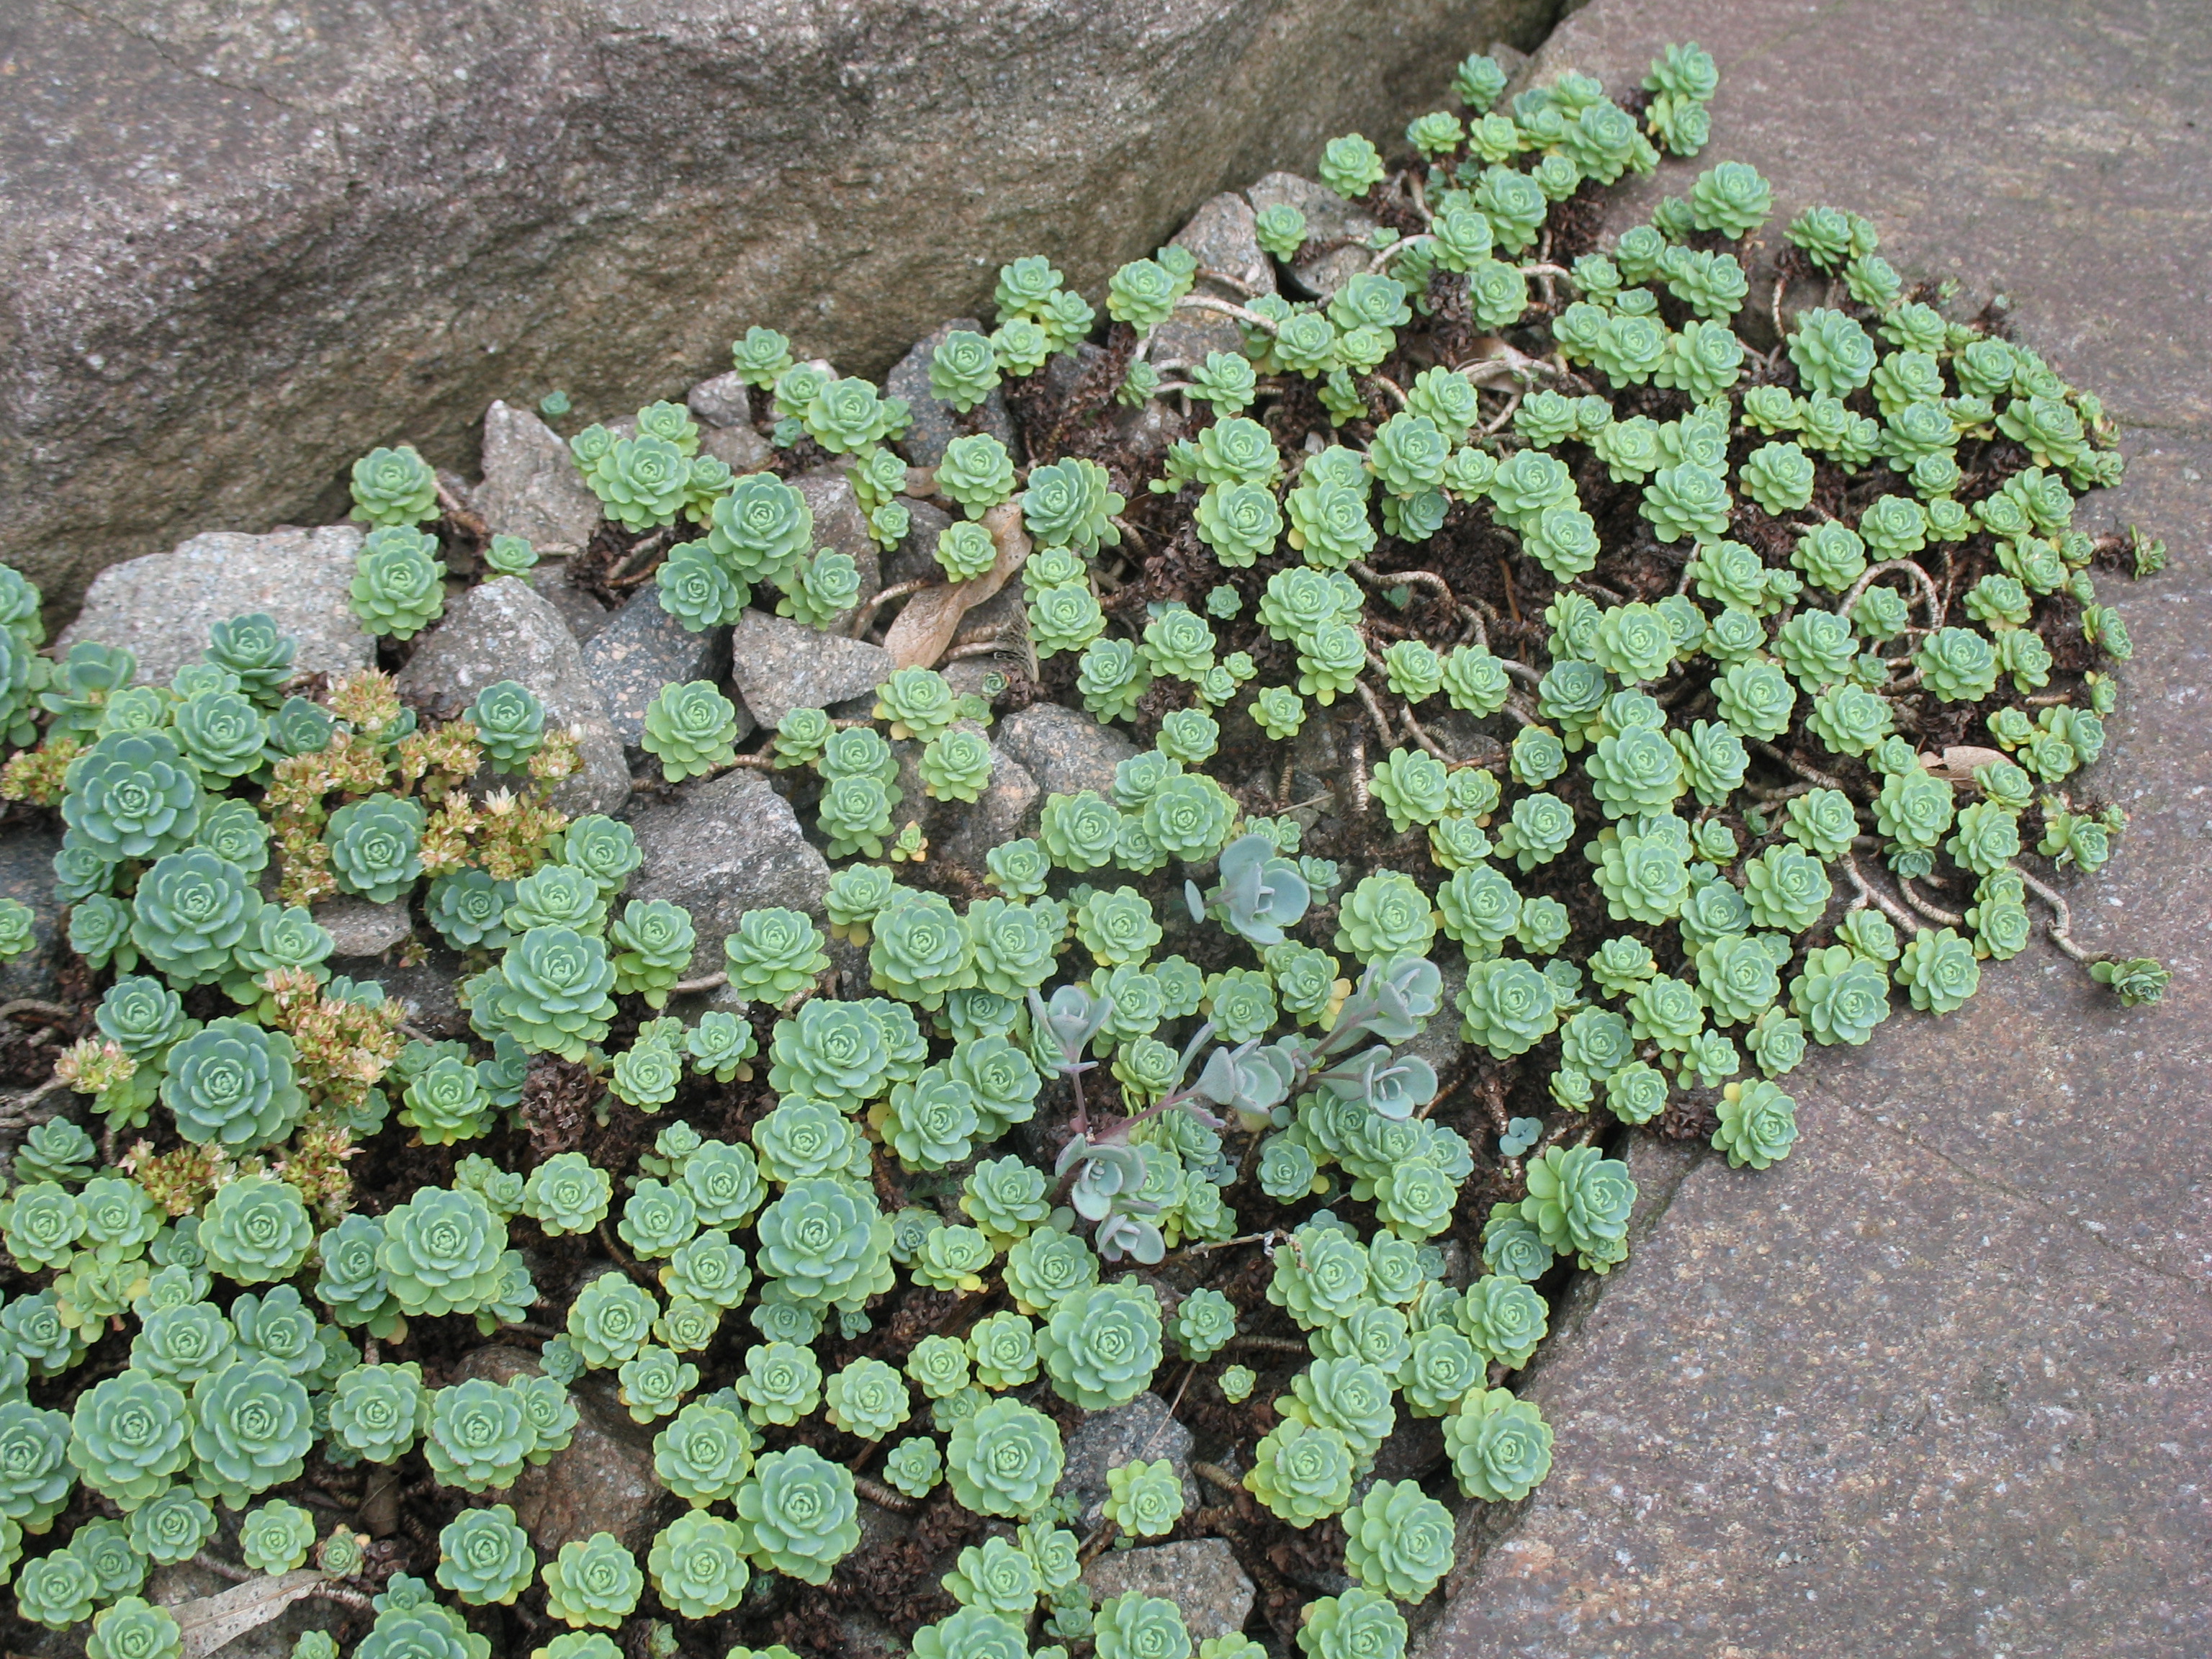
[(163, 606), (723, 401), (504, 631), (531, 486), (358, 928), (584, 614), (779, 665), (1329, 218), (1106, 1440), (963, 832), (26, 875), (724, 847), (916, 554), (1220, 235), (602, 1482), (214, 305), (1199, 1575), (840, 524), (1062, 750), (643, 648), (425, 989), (937, 424), (740, 447)]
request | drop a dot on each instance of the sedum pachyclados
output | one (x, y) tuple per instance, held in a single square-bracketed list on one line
[(1675, 832)]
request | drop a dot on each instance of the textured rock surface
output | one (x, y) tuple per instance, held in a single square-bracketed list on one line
[(1199, 1575), (643, 648), (358, 928), (724, 847), (964, 832), (531, 486), (584, 614), (1064, 750), (1106, 1440), (1938, 1385), (244, 244), (1220, 235), (163, 606), (779, 665), (604, 1482), (937, 424), (505, 630), (1329, 218), (26, 875)]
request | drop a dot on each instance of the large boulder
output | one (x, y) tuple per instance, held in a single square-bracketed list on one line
[(243, 245)]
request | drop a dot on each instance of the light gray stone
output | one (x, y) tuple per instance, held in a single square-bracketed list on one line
[(358, 928), (779, 665), (740, 448), (1221, 235), (244, 245), (937, 424), (161, 606), (961, 833), (723, 401), (1106, 1440), (642, 648), (602, 1482), (1199, 1575), (1329, 219), (723, 847), (531, 486), (840, 524), (504, 631), (1062, 750)]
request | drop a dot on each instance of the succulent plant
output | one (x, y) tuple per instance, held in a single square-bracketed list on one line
[(592, 1581)]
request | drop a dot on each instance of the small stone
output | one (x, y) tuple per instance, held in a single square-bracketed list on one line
[(724, 847), (962, 832), (583, 613), (26, 875), (915, 556), (1222, 237), (779, 665), (723, 401), (505, 630), (602, 1482), (161, 606), (1199, 1575), (1063, 750), (840, 525), (531, 486), (740, 448), (1329, 218), (358, 928), (425, 989), (1142, 1429), (643, 648), (936, 424)]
